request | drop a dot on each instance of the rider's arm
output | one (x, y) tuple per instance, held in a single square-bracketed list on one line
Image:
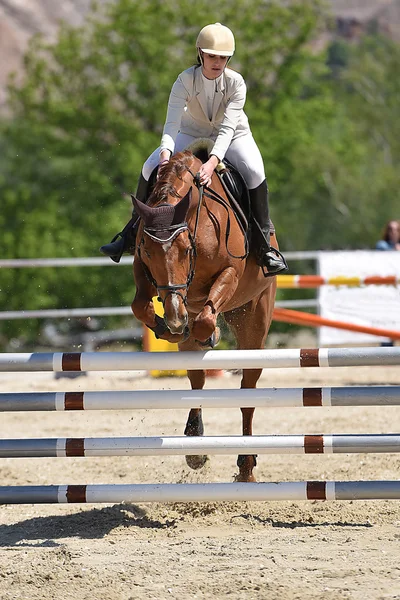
[(232, 114), (176, 106)]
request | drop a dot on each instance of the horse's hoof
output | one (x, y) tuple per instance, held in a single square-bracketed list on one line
[(196, 462), (246, 464), (213, 340)]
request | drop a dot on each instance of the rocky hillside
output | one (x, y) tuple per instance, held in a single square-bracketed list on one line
[(19, 19)]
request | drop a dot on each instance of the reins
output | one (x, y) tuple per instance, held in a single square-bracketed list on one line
[(213, 195)]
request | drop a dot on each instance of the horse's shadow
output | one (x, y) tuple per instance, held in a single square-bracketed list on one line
[(86, 524)]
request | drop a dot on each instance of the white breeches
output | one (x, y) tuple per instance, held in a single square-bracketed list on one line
[(243, 153)]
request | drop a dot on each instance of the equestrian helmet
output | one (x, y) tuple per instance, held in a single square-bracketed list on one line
[(216, 39)]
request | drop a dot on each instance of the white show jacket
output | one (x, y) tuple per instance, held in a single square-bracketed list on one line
[(187, 110)]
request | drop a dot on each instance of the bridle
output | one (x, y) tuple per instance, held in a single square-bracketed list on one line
[(176, 230), (174, 288)]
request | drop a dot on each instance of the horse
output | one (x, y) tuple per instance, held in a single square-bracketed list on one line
[(192, 252)]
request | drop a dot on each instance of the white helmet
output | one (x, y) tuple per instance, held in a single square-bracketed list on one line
[(216, 39)]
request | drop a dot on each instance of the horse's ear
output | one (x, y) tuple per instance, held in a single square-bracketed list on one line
[(138, 205), (182, 208)]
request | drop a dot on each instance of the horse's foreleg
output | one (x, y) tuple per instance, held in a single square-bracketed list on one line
[(220, 294), (194, 424)]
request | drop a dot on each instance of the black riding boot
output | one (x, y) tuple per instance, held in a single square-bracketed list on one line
[(124, 241), (270, 259)]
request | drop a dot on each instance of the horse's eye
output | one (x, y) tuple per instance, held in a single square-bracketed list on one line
[(147, 254)]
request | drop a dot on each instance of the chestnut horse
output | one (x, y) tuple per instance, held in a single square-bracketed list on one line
[(191, 252)]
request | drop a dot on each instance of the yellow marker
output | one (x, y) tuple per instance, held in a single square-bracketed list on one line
[(152, 344), (343, 280), (286, 281)]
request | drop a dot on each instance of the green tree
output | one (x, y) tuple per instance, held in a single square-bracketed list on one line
[(341, 178)]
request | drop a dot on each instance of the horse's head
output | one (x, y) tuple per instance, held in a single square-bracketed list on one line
[(165, 244)]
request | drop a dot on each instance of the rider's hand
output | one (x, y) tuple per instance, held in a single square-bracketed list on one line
[(206, 171), (165, 155)]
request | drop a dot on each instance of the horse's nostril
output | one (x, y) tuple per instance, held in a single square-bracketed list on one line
[(176, 329), (177, 324)]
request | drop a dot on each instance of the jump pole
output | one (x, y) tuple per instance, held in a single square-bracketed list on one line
[(201, 492), (315, 281), (212, 359), (215, 445), (297, 317), (186, 399)]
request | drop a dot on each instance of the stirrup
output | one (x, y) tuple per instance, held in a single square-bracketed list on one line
[(281, 267), (115, 248)]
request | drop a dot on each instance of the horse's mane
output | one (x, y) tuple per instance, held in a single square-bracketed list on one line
[(168, 174)]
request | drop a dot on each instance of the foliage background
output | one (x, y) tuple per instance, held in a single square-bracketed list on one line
[(92, 106)]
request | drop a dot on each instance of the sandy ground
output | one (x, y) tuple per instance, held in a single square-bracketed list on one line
[(286, 550)]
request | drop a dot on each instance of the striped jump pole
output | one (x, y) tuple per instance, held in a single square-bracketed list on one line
[(315, 281), (201, 492), (186, 399), (216, 445), (211, 359)]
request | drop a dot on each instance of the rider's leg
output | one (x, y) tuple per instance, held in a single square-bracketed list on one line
[(244, 154), (124, 241), (266, 256)]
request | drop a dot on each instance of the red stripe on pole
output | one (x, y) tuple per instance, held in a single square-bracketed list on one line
[(312, 396), (309, 357), (71, 361), (310, 281), (73, 401), (377, 280), (76, 493), (314, 444), (316, 490), (75, 447)]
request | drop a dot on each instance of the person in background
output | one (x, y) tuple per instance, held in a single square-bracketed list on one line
[(390, 237), (207, 101)]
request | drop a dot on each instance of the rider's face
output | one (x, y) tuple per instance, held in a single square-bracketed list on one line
[(213, 65)]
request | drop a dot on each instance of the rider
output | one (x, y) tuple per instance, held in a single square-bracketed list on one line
[(206, 101)]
